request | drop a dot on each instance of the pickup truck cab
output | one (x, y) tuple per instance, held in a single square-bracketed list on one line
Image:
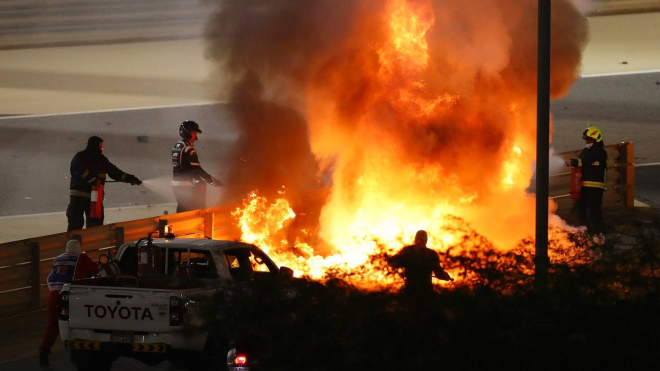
[(142, 315)]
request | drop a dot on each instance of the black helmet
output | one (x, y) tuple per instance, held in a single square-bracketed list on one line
[(188, 127), (93, 142)]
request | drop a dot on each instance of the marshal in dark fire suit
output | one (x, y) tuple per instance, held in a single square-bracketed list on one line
[(593, 161), (190, 193), (89, 167), (419, 263)]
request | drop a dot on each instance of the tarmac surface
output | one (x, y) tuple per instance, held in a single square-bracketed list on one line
[(79, 90)]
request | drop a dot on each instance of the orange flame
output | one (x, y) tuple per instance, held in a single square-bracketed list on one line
[(405, 55), (261, 224), (386, 188)]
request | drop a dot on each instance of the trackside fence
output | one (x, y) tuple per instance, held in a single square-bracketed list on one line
[(25, 264)]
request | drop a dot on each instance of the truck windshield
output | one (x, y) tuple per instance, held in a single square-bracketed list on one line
[(245, 264)]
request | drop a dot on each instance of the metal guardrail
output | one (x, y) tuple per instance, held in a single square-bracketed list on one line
[(25, 264)]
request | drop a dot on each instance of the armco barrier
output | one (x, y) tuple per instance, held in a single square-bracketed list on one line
[(25, 264)]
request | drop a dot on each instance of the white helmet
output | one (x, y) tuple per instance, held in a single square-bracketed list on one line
[(73, 246)]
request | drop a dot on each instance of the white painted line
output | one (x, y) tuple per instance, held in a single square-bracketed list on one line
[(619, 73), (648, 164), (637, 203), (17, 289), (24, 313), (107, 210), (117, 110)]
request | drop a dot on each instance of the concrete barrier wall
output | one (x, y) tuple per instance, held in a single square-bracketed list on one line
[(36, 23), (604, 7)]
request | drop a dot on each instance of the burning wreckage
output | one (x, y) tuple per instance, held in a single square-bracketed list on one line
[(408, 114)]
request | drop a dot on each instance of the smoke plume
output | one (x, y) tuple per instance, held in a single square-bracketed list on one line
[(407, 109)]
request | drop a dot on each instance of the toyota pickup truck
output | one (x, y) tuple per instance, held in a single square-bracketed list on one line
[(142, 316)]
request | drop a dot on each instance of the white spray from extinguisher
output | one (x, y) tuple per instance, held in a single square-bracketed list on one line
[(161, 186), (556, 163)]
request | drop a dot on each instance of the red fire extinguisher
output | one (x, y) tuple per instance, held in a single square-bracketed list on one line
[(96, 205), (576, 182), (150, 260)]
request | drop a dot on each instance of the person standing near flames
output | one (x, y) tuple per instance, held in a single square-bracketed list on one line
[(89, 167), (593, 161), (190, 193), (69, 266), (419, 263)]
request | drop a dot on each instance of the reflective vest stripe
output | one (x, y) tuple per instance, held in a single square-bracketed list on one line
[(594, 184), (74, 192)]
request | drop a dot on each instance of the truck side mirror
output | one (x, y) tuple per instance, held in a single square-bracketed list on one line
[(286, 272)]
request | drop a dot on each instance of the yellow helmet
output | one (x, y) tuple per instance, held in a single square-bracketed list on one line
[(593, 133)]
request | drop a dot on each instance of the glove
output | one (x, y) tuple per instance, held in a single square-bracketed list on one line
[(132, 179), (91, 179)]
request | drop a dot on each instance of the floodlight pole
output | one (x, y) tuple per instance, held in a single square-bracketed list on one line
[(542, 146)]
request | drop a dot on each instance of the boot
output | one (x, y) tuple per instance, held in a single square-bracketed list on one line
[(43, 357)]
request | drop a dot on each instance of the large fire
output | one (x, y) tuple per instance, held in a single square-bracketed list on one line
[(420, 110)]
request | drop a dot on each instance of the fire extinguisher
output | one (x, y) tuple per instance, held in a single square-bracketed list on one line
[(96, 204), (576, 182), (150, 260)]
